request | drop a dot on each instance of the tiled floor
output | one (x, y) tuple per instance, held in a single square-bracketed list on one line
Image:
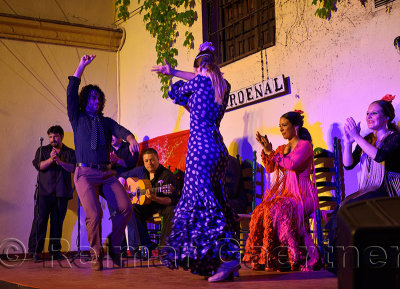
[(152, 275)]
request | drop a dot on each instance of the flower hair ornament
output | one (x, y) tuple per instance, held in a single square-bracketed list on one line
[(388, 97), (299, 111), (206, 45)]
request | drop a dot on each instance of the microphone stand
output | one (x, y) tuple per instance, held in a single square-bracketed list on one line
[(36, 202), (78, 254)]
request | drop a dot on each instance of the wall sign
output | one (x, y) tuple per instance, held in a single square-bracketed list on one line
[(258, 92)]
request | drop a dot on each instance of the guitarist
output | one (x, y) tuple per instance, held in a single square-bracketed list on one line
[(162, 204)]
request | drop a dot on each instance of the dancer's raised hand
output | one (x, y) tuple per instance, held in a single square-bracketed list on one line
[(85, 60), (163, 69)]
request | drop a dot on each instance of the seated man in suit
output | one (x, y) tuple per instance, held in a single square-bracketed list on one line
[(121, 158), (161, 203)]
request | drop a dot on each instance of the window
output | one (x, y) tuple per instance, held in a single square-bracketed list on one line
[(238, 28), (380, 3)]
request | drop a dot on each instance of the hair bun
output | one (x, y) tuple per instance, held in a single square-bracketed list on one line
[(388, 97), (206, 46)]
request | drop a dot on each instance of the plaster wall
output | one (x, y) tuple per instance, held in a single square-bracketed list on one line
[(33, 97), (336, 68)]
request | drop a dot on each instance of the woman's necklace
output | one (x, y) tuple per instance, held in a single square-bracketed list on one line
[(379, 141)]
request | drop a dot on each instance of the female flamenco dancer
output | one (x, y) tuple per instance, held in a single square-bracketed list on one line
[(278, 223), (378, 154), (201, 238)]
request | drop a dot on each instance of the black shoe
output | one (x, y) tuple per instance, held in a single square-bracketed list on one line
[(97, 265), (124, 254), (147, 250), (108, 249), (36, 258), (135, 252), (145, 254), (57, 256)]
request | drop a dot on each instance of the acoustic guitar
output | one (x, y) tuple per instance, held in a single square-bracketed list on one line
[(136, 189)]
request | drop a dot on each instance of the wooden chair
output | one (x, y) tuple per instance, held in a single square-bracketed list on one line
[(154, 226), (253, 183), (328, 181)]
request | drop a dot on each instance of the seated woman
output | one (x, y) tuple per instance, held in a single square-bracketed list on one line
[(278, 223), (378, 153), (379, 157)]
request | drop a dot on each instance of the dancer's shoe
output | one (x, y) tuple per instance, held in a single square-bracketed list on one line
[(115, 256), (226, 272)]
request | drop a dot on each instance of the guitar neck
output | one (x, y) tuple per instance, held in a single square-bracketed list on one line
[(157, 190)]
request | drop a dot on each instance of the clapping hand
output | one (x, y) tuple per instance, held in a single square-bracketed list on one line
[(163, 69), (266, 144), (54, 156), (351, 130), (347, 138)]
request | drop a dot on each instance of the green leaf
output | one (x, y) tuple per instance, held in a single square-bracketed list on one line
[(161, 18)]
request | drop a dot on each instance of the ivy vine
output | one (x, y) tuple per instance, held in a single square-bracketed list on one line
[(161, 18), (326, 7)]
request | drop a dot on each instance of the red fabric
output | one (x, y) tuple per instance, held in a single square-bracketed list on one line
[(171, 149)]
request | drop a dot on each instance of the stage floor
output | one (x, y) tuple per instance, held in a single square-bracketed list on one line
[(47, 274)]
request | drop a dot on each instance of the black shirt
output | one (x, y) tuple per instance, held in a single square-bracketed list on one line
[(162, 174), (55, 179), (124, 153), (388, 152), (81, 125)]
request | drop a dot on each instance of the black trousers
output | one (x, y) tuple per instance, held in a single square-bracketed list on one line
[(145, 212), (55, 208)]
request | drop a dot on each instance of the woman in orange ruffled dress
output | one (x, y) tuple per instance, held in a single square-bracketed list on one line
[(278, 228)]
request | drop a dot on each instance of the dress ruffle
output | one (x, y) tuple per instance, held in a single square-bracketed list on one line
[(279, 225), (208, 243)]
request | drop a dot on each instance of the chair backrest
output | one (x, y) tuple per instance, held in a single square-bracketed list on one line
[(328, 174), (252, 178), (253, 181)]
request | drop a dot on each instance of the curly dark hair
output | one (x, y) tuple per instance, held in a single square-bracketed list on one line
[(56, 129), (296, 119), (84, 96)]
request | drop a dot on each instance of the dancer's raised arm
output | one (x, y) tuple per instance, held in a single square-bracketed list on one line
[(167, 70), (85, 60)]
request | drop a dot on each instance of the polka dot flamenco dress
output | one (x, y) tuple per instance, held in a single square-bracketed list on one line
[(201, 234)]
